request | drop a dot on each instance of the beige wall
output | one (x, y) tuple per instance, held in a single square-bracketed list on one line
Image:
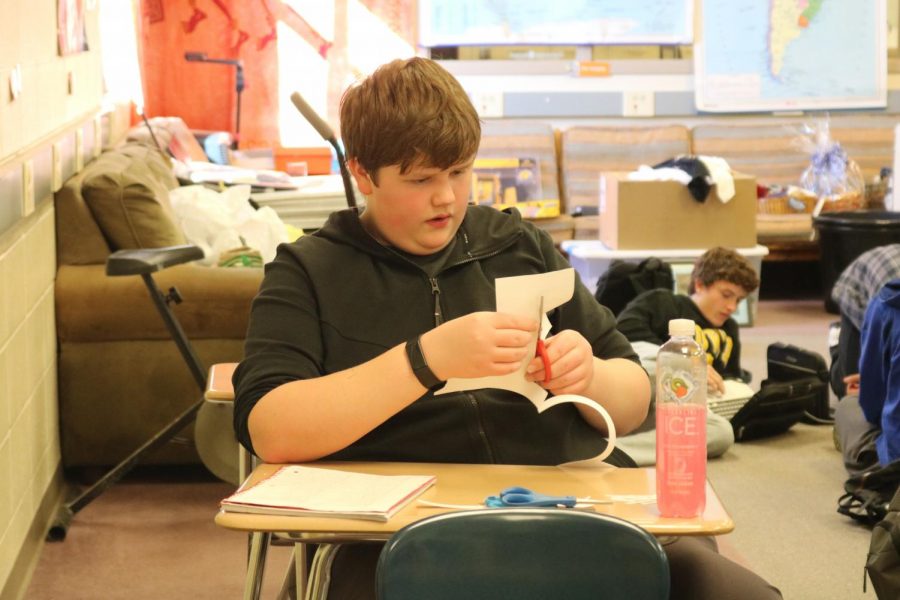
[(45, 113), (29, 439)]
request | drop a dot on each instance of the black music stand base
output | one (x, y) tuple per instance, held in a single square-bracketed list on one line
[(143, 262)]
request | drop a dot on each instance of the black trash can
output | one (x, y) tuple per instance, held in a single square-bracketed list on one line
[(845, 235)]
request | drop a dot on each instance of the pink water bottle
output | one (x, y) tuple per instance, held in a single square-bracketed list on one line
[(681, 423)]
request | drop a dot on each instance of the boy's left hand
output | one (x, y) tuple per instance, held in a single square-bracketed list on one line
[(571, 364)]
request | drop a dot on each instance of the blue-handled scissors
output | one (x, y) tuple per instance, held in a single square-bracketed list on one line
[(519, 496), (541, 349)]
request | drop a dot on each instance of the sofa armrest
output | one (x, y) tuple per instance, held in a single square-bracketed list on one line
[(93, 307)]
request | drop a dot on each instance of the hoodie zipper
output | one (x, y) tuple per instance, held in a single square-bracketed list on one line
[(482, 435), (436, 293)]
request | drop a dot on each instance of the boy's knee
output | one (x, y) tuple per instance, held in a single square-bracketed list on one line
[(719, 435)]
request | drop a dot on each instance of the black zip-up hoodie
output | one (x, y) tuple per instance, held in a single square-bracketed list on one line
[(337, 298)]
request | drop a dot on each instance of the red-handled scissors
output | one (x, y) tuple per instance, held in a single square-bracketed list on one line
[(541, 349)]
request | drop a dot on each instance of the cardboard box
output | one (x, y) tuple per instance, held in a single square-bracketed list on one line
[(642, 215)]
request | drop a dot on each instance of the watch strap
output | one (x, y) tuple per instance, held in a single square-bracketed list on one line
[(420, 366)]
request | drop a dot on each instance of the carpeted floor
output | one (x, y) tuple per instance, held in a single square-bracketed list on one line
[(782, 491), (152, 535)]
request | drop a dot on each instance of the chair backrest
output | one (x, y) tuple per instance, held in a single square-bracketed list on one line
[(522, 553), (587, 151)]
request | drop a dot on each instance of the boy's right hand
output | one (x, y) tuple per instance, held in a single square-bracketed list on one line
[(479, 345), (714, 381), (852, 383)]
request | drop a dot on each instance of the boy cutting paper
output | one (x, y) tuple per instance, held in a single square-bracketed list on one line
[(356, 325)]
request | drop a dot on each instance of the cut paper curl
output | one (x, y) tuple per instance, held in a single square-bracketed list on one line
[(522, 295)]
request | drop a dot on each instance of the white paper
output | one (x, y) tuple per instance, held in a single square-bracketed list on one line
[(313, 491), (522, 295)]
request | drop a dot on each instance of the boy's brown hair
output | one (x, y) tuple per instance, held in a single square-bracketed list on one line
[(723, 264), (409, 112)]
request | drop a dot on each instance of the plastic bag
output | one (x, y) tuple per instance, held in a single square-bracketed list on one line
[(832, 176), (221, 221)]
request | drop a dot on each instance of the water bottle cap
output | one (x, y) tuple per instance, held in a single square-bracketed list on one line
[(681, 327)]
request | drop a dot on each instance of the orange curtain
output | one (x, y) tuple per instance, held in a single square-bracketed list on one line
[(204, 94)]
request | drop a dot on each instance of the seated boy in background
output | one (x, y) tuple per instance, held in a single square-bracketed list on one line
[(720, 279), (867, 419), (857, 284), (357, 325)]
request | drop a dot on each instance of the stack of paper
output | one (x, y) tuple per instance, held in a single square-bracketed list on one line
[(314, 492)]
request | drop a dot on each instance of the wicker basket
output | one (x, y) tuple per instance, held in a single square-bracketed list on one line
[(875, 194), (785, 205), (845, 202)]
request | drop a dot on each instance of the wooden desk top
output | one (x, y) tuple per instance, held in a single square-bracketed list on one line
[(471, 484), (218, 384)]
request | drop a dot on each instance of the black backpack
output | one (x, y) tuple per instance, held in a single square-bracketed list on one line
[(786, 362), (869, 494), (883, 562), (623, 281), (776, 407)]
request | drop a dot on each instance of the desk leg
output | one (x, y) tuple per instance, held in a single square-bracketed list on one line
[(259, 545), (301, 576), (293, 586), (288, 589)]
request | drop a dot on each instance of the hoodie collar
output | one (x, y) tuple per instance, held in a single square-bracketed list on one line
[(484, 231)]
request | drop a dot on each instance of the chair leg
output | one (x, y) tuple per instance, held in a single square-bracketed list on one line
[(320, 572), (259, 545)]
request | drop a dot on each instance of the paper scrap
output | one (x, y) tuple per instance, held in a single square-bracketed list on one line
[(522, 295)]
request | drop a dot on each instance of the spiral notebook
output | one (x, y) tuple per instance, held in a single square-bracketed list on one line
[(300, 491)]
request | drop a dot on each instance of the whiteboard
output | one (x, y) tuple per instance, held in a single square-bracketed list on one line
[(543, 22)]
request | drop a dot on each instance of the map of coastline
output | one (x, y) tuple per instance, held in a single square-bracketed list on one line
[(788, 19), (492, 22), (786, 55)]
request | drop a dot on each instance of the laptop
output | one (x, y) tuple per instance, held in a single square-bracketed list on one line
[(728, 403)]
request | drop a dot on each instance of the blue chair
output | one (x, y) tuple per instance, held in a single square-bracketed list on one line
[(522, 553)]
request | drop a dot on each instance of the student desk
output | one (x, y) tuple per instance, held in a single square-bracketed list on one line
[(456, 484), (462, 484)]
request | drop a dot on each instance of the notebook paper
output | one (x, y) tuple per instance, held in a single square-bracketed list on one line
[(309, 491)]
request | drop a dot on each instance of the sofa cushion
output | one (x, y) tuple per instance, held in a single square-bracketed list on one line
[(127, 191), (79, 240)]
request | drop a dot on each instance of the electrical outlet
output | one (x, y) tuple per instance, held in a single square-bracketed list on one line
[(638, 104), (488, 104), (27, 188), (79, 149), (56, 166)]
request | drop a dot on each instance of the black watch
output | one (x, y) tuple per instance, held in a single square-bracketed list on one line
[(420, 367)]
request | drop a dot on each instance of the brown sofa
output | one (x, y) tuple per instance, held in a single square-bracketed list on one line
[(121, 378)]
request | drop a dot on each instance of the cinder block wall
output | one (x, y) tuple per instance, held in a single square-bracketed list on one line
[(58, 105)]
